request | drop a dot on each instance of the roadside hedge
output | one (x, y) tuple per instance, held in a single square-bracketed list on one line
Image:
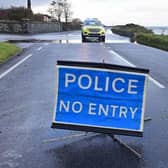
[(142, 35), (157, 41), (122, 32), (129, 30)]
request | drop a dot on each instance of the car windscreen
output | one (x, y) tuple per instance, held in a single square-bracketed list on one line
[(92, 23)]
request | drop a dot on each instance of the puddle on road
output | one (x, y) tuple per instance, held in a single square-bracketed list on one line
[(45, 41), (64, 41), (91, 41), (67, 41)]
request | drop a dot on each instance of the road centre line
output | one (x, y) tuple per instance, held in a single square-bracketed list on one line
[(40, 48), (14, 66), (132, 65)]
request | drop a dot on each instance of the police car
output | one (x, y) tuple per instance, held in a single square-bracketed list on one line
[(93, 28)]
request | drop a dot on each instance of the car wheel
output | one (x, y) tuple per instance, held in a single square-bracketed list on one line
[(83, 39), (103, 39)]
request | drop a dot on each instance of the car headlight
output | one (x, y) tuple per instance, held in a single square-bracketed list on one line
[(102, 31), (85, 31)]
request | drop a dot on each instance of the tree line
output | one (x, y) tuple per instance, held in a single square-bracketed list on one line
[(59, 11)]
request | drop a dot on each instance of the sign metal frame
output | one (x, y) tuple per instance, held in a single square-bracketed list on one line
[(100, 129)]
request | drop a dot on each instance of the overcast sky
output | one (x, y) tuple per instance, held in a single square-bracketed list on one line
[(110, 12)]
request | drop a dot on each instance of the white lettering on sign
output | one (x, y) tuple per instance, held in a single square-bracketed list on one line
[(111, 111), (107, 84), (114, 110), (97, 88), (69, 78), (76, 107), (64, 106), (85, 82), (115, 81), (123, 112), (92, 108), (103, 110), (85, 79), (133, 111), (132, 84)]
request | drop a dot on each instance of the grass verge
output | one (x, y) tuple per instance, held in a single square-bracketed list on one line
[(7, 50), (142, 35), (130, 30), (157, 41)]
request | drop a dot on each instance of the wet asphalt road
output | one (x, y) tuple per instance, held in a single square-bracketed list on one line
[(27, 102)]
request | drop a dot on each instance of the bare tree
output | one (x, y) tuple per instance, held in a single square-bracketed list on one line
[(60, 9), (56, 9), (67, 11)]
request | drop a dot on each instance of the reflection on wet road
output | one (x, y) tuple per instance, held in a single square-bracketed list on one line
[(64, 38)]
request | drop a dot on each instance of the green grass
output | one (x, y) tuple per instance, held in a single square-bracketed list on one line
[(142, 35), (157, 41), (130, 30), (7, 50)]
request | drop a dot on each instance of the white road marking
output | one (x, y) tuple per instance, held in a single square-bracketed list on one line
[(132, 65), (14, 66), (40, 48), (156, 82), (122, 59), (46, 44), (117, 41)]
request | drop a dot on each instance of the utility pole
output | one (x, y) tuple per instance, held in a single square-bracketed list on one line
[(29, 4)]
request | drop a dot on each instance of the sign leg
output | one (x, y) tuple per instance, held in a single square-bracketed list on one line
[(122, 143), (72, 136), (147, 119)]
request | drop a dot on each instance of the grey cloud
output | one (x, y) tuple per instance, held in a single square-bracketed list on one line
[(35, 3)]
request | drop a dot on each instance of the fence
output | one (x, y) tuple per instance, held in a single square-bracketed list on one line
[(28, 27)]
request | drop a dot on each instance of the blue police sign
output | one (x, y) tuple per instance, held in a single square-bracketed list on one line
[(100, 98)]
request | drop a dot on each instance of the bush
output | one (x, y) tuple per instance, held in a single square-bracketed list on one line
[(158, 41), (142, 35), (122, 32), (74, 25), (130, 30), (16, 13)]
